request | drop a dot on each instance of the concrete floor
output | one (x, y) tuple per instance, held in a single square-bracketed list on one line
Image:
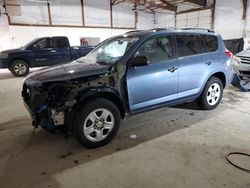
[(175, 147)]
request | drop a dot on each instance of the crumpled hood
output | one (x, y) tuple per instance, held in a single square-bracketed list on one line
[(65, 72)]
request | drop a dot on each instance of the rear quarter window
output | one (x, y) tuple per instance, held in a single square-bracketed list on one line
[(59, 43), (211, 42)]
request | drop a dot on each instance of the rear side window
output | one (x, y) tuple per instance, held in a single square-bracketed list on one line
[(43, 44), (59, 43), (188, 45), (210, 42)]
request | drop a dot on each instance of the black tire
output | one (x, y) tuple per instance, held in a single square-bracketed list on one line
[(203, 100), (24, 68), (85, 111)]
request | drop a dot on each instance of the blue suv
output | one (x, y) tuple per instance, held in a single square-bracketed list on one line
[(126, 75)]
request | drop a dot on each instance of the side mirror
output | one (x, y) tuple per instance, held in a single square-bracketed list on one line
[(140, 60)]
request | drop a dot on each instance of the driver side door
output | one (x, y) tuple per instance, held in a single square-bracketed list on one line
[(156, 83), (44, 53)]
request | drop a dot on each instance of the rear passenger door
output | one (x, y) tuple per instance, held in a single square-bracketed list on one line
[(195, 64), (60, 50)]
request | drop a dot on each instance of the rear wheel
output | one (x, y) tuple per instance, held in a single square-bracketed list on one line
[(97, 123), (19, 68), (212, 94)]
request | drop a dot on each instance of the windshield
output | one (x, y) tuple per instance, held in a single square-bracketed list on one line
[(29, 43), (109, 52)]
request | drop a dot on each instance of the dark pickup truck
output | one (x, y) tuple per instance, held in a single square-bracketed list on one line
[(41, 52)]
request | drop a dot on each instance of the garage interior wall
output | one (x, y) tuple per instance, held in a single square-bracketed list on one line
[(228, 18), (228, 21), (65, 13), (201, 19)]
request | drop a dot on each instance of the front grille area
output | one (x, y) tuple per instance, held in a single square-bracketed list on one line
[(245, 73), (244, 60)]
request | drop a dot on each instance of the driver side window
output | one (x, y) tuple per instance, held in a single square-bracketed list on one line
[(157, 49), (43, 44)]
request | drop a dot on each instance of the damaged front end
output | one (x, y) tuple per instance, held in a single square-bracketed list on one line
[(51, 95), (48, 104), (241, 67)]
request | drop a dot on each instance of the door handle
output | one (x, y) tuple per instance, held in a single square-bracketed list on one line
[(208, 62), (172, 69), (53, 51)]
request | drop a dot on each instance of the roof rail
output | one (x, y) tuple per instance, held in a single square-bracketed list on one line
[(133, 31), (196, 28), (182, 28), (162, 28)]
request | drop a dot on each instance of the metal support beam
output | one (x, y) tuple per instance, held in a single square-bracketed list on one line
[(169, 5), (197, 2), (154, 5), (193, 10)]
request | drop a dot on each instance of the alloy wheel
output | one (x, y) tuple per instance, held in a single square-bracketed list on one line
[(20, 68), (213, 94), (98, 124)]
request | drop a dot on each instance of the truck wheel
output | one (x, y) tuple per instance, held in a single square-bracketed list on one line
[(19, 68), (97, 123), (212, 94)]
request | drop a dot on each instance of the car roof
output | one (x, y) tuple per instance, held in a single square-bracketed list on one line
[(141, 33)]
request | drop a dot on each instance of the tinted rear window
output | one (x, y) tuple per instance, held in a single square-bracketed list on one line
[(188, 45), (59, 43), (210, 42)]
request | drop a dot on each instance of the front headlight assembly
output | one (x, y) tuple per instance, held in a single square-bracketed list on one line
[(3, 56)]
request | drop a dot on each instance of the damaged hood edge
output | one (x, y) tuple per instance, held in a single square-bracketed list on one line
[(66, 72)]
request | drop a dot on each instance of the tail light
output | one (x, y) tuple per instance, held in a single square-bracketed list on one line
[(229, 54)]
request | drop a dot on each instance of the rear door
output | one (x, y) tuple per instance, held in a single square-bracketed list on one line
[(195, 64), (157, 82), (61, 50), (51, 51)]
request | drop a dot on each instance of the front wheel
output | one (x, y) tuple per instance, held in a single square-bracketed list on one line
[(19, 68), (212, 94), (97, 123)]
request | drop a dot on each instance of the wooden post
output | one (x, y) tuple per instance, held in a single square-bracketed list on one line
[(213, 15), (244, 12), (111, 14), (82, 8), (49, 13)]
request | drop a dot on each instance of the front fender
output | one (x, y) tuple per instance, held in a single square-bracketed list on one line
[(95, 91), (103, 92)]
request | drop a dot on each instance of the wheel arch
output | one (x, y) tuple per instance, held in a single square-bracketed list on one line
[(106, 93), (221, 76), (19, 58)]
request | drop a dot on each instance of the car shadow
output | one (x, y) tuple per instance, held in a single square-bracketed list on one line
[(190, 106), (41, 155)]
